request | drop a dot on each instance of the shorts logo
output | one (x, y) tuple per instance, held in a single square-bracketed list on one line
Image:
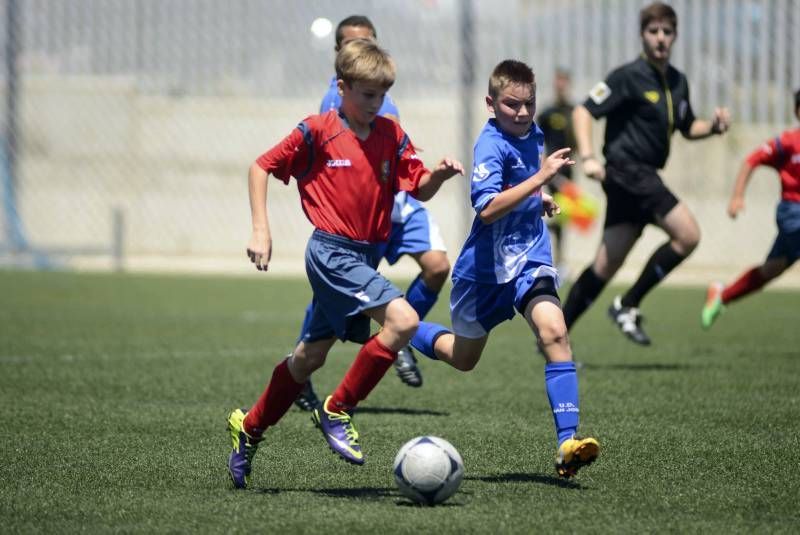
[(519, 164), (339, 163), (600, 93), (480, 173), (652, 96), (385, 171), (361, 296)]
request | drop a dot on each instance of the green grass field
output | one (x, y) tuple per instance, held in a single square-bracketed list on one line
[(114, 391)]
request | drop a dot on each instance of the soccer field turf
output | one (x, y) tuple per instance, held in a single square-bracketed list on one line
[(115, 389)]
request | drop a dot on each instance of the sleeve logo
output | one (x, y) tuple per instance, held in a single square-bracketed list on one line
[(480, 173), (600, 93)]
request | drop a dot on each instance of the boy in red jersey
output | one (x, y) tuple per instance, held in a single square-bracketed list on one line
[(783, 154), (348, 165)]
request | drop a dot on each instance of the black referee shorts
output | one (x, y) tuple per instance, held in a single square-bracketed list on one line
[(635, 194)]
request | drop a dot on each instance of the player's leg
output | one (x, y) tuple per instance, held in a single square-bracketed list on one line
[(334, 416), (752, 280), (416, 234), (544, 316), (246, 427), (616, 243), (684, 235), (307, 399)]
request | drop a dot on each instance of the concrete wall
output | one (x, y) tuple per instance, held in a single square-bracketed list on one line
[(177, 168)]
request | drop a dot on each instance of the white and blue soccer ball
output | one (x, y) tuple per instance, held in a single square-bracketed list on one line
[(428, 470)]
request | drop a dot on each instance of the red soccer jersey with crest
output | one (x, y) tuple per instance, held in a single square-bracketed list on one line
[(782, 153), (346, 184)]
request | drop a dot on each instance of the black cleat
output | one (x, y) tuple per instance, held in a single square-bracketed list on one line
[(307, 399), (406, 366), (629, 322)]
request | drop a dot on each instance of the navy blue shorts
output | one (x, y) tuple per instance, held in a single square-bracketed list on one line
[(787, 243), (345, 283)]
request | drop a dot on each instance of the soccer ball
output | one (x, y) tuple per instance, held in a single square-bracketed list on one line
[(428, 470)]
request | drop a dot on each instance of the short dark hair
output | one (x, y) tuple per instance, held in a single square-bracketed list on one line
[(657, 11), (509, 72), (358, 21)]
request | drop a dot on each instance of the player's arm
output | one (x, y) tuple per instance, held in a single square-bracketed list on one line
[(703, 128), (259, 248), (736, 203), (429, 183), (582, 126), (505, 201)]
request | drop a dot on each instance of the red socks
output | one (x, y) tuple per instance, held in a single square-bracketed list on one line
[(369, 366), (749, 282), (274, 401)]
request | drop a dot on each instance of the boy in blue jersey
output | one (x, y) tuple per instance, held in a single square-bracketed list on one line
[(506, 262), (414, 232)]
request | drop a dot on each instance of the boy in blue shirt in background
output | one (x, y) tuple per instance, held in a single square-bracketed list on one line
[(506, 262)]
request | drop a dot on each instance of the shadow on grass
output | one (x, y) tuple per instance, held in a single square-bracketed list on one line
[(400, 410), (643, 367), (513, 477), (360, 493)]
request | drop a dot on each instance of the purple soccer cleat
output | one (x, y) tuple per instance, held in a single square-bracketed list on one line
[(338, 430)]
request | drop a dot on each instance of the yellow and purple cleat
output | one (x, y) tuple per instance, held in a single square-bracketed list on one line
[(338, 430), (240, 461)]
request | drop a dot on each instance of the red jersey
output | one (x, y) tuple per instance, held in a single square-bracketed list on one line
[(346, 184), (782, 153)]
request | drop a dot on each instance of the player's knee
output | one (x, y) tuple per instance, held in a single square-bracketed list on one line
[(308, 359), (435, 270), (464, 364), (401, 319), (553, 333)]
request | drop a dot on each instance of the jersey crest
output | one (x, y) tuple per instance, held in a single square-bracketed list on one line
[(652, 96)]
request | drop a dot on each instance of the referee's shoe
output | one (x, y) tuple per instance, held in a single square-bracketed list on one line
[(629, 321)]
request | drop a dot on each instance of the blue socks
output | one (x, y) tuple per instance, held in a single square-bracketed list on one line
[(561, 382), (420, 297), (426, 336)]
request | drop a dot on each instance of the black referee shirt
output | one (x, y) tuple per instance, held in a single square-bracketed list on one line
[(643, 108)]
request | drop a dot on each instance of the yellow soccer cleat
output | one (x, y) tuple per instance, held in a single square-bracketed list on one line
[(575, 453)]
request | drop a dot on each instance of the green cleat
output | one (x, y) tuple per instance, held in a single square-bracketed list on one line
[(713, 306), (575, 453), (244, 448)]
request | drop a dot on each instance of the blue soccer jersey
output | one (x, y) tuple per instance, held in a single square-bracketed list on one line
[(519, 241)]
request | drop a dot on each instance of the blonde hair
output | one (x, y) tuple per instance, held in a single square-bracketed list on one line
[(510, 72), (362, 60)]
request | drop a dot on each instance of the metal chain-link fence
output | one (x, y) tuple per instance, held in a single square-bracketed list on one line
[(129, 125)]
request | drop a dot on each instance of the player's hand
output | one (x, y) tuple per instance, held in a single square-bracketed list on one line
[(735, 206), (721, 121), (447, 168), (550, 205), (553, 163), (594, 169), (259, 249)]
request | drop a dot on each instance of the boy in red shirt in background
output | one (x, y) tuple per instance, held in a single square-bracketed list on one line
[(783, 154), (348, 164)]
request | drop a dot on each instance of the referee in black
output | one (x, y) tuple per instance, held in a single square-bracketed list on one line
[(644, 102)]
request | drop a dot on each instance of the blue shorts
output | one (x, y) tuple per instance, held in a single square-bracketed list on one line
[(413, 230), (787, 244), (476, 308), (345, 283)]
